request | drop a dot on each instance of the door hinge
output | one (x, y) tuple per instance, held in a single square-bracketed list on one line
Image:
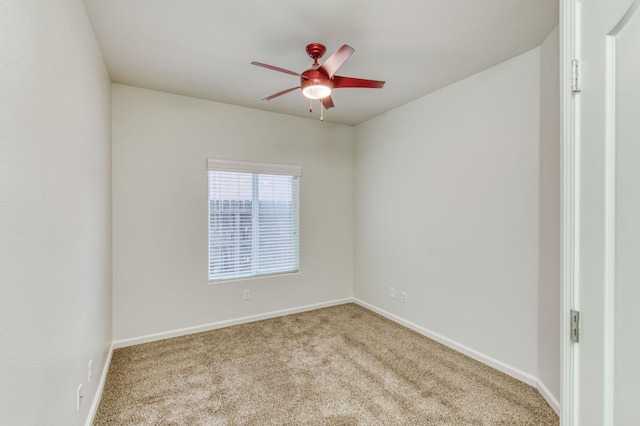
[(575, 325), (575, 75)]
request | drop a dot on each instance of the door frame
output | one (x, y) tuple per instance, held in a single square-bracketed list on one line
[(570, 36), (570, 182)]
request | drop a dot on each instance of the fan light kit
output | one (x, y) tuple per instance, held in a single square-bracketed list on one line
[(319, 81), (317, 91)]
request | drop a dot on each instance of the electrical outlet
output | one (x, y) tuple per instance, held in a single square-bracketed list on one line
[(90, 370), (392, 292), (247, 295), (404, 297), (79, 396)]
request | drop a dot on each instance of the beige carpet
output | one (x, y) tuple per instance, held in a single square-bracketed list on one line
[(343, 365)]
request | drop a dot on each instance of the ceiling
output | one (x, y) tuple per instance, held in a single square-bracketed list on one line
[(203, 48)]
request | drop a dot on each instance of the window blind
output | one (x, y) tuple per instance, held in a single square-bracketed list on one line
[(253, 219)]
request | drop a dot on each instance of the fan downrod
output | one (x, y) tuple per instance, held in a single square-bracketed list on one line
[(315, 51)]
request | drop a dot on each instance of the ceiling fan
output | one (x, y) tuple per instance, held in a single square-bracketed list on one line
[(318, 81)]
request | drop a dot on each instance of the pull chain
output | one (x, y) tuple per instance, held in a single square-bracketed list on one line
[(321, 108)]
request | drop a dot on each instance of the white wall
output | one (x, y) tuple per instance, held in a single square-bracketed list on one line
[(447, 210), (160, 146), (55, 212), (549, 248)]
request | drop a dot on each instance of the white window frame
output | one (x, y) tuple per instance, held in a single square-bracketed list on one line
[(254, 169)]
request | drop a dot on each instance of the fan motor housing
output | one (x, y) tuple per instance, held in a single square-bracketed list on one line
[(313, 77)]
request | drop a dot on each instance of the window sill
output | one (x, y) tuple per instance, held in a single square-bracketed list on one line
[(253, 277)]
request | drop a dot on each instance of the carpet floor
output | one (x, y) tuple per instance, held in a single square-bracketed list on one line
[(342, 365)]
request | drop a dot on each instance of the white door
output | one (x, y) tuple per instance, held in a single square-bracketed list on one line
[(605, 207)]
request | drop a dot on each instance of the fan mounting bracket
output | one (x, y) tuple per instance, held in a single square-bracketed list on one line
[(315, 51)]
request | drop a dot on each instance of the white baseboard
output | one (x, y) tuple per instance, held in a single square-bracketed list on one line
[(96, 398), (226, 323), (548, 396), (478, 356)]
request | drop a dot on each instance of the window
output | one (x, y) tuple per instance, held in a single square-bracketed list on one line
[(253, 219)]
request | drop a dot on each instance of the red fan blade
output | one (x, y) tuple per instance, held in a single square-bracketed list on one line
[(271, 67), (327, 102), (336, 60), (340, 82), (268, 98)]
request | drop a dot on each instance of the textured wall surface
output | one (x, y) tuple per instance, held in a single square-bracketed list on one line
[(160, 146), (549, 249), (447, 211), (55, 212)]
